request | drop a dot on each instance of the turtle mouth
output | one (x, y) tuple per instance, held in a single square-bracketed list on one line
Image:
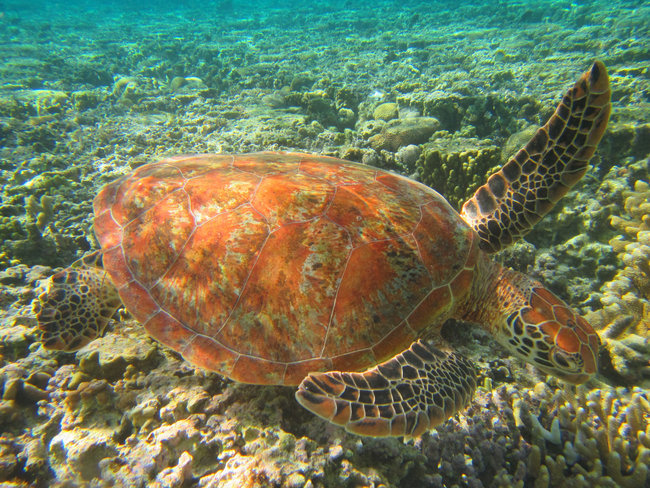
[(574, 377)]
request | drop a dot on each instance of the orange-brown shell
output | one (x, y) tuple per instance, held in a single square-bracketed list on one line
[(264, 267)]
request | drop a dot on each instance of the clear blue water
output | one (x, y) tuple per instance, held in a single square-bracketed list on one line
[(561, 34)]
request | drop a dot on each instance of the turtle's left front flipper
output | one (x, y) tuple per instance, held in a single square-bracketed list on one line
[(404, 396), (528, 186)]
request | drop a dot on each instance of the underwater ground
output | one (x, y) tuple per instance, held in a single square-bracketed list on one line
[(441, 91)]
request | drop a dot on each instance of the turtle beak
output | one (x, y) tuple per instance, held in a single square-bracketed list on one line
[(574, 379)]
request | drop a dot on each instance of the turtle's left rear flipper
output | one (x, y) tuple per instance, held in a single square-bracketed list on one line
[(76, 306), (528, 186), (404, 396)]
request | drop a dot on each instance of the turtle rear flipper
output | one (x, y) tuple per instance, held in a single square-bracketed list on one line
[(528, 186), (76, 306), (404, 396)]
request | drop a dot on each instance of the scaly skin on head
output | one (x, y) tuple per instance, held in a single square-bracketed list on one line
[(76, 307), (532, 323)]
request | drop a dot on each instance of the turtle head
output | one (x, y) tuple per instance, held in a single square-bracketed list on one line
[(546, 332), (532, 323)]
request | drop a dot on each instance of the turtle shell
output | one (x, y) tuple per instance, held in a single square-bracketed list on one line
[(265, 267)]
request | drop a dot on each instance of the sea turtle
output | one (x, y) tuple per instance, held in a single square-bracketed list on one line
[(297, 269)]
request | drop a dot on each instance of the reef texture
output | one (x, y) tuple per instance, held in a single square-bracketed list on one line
[(582, 438), (456, 166), (624, 318), (127, 412)]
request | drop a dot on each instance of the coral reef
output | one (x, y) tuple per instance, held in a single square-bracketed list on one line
[(36, 222), (456, 166), (596, 437), (172, 93), (632, 283), (403, 132), (624, 318), (130, 413)]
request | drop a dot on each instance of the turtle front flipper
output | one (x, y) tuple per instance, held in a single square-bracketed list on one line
[(528, 186), (76, 306), (404, 396)]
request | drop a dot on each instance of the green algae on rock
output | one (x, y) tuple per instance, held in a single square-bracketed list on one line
[(456, 166), (386, 111), (403, 132)]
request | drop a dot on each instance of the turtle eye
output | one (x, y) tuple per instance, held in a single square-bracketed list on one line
[(564, 360)]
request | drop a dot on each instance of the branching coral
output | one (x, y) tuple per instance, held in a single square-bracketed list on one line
[(625, 317), (39, 211), (634, 249), (600, 437)]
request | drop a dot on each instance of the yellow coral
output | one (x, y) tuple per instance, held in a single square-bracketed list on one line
[(456, 167), (632, 283), (39, 211), (624, 320), (605, 435)]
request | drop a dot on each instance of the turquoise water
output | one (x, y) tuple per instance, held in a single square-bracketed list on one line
[(90, 90)]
